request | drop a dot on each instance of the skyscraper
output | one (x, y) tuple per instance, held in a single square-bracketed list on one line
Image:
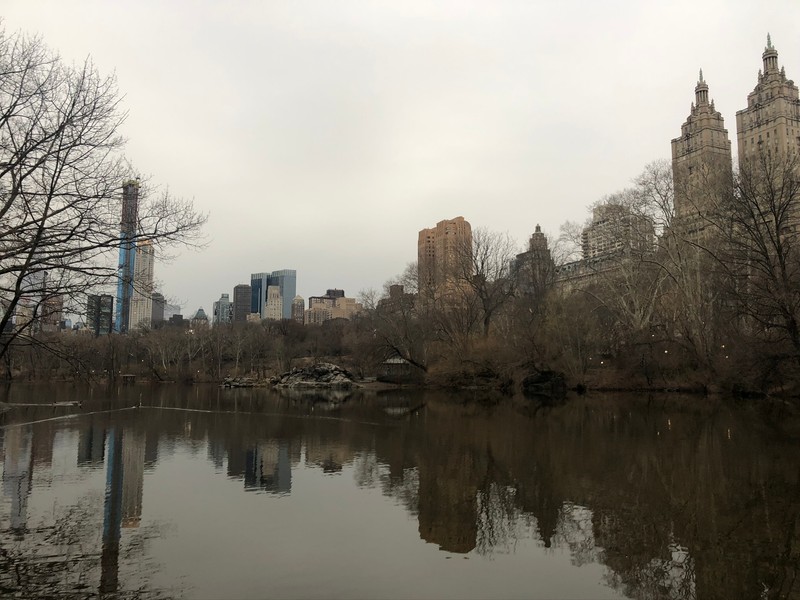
[(286, 282), (142, 299), (258, 292), (440, 251), (771, 121), (701, 161), (241, 302), (222, 310), (273, 309), (535, 268), (157, 314), (298, 309), (130, 213)]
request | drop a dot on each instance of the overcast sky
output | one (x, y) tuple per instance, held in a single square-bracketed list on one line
[(322, 136)]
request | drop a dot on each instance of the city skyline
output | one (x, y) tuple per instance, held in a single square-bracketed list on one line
[(404, 115)]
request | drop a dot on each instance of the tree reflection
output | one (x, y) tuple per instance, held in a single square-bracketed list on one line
[(676, 499)]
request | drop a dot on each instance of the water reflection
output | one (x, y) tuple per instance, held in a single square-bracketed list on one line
[(17, 472), (672, 499)]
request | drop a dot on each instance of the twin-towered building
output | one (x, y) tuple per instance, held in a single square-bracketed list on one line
[(769, 126), (702, 169)]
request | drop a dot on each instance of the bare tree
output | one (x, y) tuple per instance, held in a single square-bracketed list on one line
[(759, 224), (61, 170), (486, 271), (402, 325)]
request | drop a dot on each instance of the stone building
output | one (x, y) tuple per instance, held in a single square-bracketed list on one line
[(535, 268), (333, 305), (298, 309), (771, 121), (615, 228), (701, 164)]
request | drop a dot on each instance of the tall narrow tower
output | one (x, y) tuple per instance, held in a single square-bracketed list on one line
[(127, 255), (142, 299), (771, 122), (701, 158)]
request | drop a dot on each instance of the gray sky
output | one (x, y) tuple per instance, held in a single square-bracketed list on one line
[(322, 136)]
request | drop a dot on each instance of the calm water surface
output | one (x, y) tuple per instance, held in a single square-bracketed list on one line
[(199, 492)]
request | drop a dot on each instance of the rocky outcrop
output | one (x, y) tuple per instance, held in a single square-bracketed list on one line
[(548, 384), (320, 375), (240, 382)]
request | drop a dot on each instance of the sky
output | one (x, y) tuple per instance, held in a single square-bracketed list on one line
[(323, 135)]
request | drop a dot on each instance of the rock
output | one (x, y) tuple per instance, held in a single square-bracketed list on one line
[(319, 375), (238, 382), (545, 383)]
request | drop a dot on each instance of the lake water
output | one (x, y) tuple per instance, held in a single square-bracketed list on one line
[(199, 492)]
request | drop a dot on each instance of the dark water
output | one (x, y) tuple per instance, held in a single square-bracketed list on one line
[(208, 493)]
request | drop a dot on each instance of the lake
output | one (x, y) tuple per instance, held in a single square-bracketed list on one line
[(202, 492)]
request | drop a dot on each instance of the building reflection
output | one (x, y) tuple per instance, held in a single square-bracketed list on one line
[(677, 504), (17, 474), (133, 461), (112, 514), (268, 468), (91, 446), (123, 498)]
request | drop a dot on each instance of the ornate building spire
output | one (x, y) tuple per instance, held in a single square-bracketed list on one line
[(701, 148), (770, 57), (701, 91)]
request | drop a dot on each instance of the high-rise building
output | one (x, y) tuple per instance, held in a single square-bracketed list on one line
[(222, 310), (130, 213), (142, 299), (241, 302), (771, 122), (535, 268), (701, 162), (615, 228), (286, 282), (333, 305), (157, 314), (258, 292), (99, 313), (298, 309), (273, 309), (441, 251), (50, 312)]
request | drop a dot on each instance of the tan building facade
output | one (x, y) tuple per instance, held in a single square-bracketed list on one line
[(330, 306), (439, 250), (273, 307), (771, 121), (142, 298), (701, 161)]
